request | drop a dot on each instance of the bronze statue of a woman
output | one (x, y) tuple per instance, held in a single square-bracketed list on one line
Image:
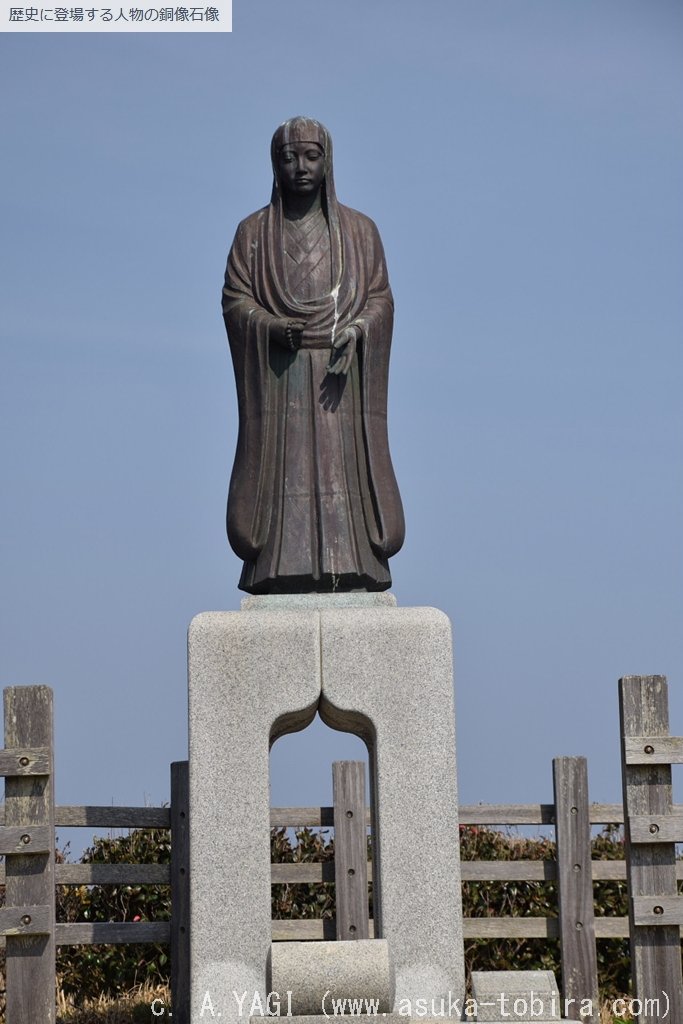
[(313, 503)]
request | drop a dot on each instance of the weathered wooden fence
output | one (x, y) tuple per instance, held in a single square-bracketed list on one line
[(653, 825)]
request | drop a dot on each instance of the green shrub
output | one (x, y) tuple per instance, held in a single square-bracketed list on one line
[(539, 899), (87, 971), (301, 900)]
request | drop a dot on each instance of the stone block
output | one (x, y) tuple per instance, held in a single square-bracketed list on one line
[(324, 976), (516, 996)]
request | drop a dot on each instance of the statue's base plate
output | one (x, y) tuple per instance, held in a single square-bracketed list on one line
[(314, 602)]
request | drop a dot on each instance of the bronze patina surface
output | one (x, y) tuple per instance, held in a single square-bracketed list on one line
[(313, 503)]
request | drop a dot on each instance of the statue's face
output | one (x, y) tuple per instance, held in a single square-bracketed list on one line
[(301, 168)]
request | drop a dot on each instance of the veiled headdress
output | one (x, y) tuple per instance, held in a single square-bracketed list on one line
[(303, 129)]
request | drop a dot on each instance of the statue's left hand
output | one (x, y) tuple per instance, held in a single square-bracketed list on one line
[(343, 351)]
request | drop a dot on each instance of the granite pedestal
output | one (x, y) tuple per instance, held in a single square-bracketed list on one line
[(381, 672)]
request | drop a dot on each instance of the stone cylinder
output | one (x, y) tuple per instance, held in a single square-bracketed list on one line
[(321, 974)]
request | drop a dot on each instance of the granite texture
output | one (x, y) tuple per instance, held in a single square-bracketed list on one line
[(516, 996), (387, 677), (381, 672), (252, 678), (320, 974)]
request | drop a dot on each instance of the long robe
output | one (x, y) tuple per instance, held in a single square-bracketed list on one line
[(313, 502)]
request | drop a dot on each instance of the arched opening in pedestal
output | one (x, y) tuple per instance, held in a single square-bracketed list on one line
[(320, 875)]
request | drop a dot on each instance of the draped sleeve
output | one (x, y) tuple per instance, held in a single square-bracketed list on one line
[(247, 324), (364, 261)]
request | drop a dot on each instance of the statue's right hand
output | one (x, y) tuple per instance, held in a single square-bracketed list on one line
[(287, 333)]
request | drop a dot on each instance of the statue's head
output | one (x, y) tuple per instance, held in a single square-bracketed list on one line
[(301, 153)]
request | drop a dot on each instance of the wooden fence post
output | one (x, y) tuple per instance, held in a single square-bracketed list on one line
[(180, 892), (650, 865), (575, 888), (29, 915), (350, 850)]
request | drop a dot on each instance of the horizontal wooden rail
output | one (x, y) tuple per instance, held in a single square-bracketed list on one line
[(536, 927), (108, 874), (307, 931), (113, 874), (533, 814), (470, 814), (112, 817), (313, 929), (105, 932), (77, 816), (471, 871), (298, 874), (310, 873), (473, 928), (304, 817), (69, 816)]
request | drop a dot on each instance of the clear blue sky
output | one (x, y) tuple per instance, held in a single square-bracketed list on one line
[(523, 162)]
